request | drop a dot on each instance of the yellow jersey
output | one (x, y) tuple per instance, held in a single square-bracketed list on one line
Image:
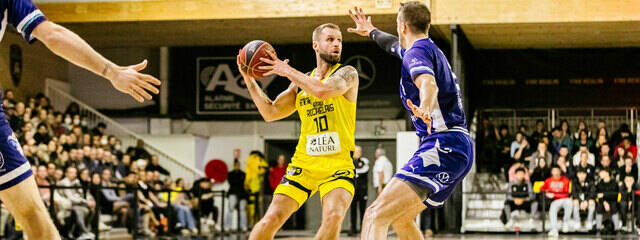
[(327, 129)]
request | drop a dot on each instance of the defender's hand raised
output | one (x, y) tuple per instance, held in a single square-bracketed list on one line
[(363, 22)]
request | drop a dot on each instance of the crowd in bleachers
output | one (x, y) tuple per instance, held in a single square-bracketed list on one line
[(590, 175), (64, 150)]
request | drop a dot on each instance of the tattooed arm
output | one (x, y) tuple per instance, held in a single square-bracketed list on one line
[(343, 80), (339, 83)]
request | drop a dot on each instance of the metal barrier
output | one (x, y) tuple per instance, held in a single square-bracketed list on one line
[(96, 220), (128, 138)]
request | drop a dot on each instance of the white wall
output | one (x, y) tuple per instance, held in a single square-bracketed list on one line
[(181, 146), (98, 92)]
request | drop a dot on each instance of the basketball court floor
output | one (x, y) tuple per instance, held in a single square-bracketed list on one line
[(308, 235)]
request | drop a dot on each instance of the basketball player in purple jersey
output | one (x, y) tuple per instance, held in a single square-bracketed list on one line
[(18, 190), (430, 92)]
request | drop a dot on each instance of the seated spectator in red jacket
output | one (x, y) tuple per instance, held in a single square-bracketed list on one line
[(628, 146), (276, 173), (557, 188)]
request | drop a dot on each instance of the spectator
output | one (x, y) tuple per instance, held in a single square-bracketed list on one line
[(628, 169), (9, 96), (181, 207), (110, 202), (582, 126), (277, 172), (564, 126), (359, 202), (603, 150), (560, 140), (584, 167), (601, 141), (541, 152), (504, 144), (99, 130), (627, 200), (155, 166), (563, 152), (539, 133), (520, 147), (541, 172), (519, 197), (203, 201), (486, 145), (583, 149), (82, 207), (237, 197), (622, 132), (564, 166), (584, 140), (583, 195), (42, 136), (628, 146), (607, 195), (138, 152), (382, 170), (605, 165), (85, 177), (122, 170), (557, 188)]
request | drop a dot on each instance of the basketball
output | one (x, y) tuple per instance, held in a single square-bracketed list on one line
[(250, 58)]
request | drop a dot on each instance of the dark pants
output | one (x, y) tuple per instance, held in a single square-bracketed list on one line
[(359, 203), (627, 212), (425, 220)]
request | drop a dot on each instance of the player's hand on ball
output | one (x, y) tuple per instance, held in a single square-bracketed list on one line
[(422, 113), (245, 76), (276, 66), (363, 22), (128, 80)]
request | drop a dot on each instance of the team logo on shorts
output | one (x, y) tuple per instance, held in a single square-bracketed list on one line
[(443, 177), (294, 171), (340, 173)]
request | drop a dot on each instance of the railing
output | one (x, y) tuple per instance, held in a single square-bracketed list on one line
[(178, 169)]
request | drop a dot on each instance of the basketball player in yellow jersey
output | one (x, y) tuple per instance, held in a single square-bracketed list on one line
[(326, 104)]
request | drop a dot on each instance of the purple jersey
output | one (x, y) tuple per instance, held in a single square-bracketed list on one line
[(22, 14), (424, 57), (14, 168)]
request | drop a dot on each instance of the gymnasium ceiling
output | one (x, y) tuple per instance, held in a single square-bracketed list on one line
[(488, 24)]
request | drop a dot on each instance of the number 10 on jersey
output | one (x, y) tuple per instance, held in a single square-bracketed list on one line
[(321, 123)]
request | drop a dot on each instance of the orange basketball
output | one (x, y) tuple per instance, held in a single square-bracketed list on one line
[(250, 57)]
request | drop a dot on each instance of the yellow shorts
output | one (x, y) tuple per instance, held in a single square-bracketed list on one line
[(300, 184)]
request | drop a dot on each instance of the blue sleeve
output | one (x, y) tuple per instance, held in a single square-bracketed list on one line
[(24, 16), (418, 61)]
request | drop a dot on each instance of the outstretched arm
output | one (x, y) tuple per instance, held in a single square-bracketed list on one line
[(74, 49), (365, 28), (283, 106), (337, 84), (426, 84)]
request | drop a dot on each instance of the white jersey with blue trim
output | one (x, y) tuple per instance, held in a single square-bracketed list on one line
[(23, 15), (424, 57)]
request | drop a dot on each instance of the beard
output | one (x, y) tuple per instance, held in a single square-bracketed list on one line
[(331, 59)]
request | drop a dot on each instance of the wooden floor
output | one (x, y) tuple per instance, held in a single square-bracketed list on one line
[(307, 235)]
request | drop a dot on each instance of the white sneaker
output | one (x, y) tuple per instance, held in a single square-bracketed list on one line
[(103, 227), (87, 236), (577, 226), (509, 224), (553, 233), (589, 225), (565, 227)]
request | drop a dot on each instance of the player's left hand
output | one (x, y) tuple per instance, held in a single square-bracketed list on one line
[(277, 66), (421, 112), (128, 80)]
